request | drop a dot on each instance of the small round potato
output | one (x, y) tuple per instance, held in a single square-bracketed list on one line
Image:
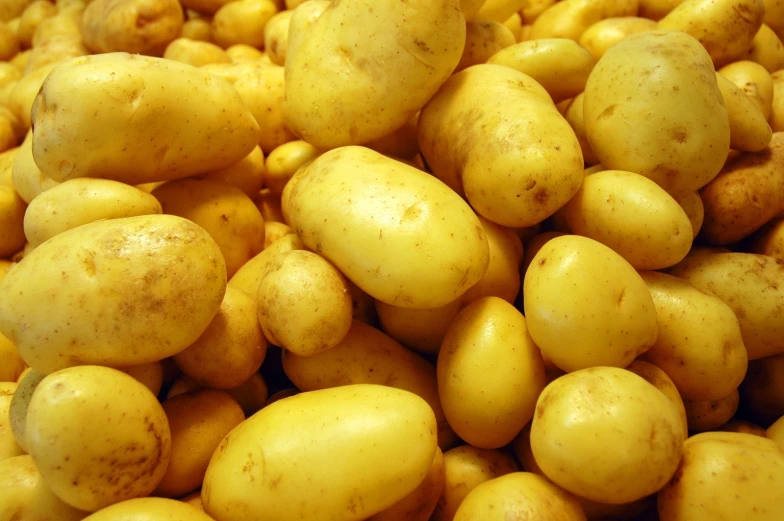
[(605, 33), (274, 231), (149, 508), (240, 52), (195, 53), (420, 329), (276, 37), (484, 38), (242, 21), (502, 278), (207, 7), (284, 161), (129, 448), (753, 79), (706, 415), (198, 29)]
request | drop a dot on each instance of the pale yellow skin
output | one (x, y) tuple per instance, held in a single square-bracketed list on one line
[(55, 50), (519, 495), (33, 15), (231, 349), (497, 10), (587, 306), (532, 9), (20, 59), (132, 291), (774, 15), (465, 468), (745, 195), (533, 246), (8, 74), (8, 446), (372, 445), (91, 123), (274, 231), (681, 135), (240, 52), (484, 38), (198, 422), (699, 344), (195, 53), (776, 119), (694, 208), (28, 179), (635, 435), (502, 278), (284, 161), (24, 494), (368, 356), (242, 22), (776, 432), (276, 37), (11, 364), (571, 18), (559, 65), (762, 391), (749, 284), (150, 375), (247, 174), (150, 509), (81, 201), (726, 28), (248, 278), (659, 379), (129, 448), (514, 23), (632, 215), (208, 7), (488, 347), (133, 26), (364, 212), (194, 499), (12, 211), (22, 97), (574, 116), (748, 129), (767, 49), (605, 33), (706, 415), (703, 491), (420, 329), (754, 80), (771, 240), (199, 29), (341, 91), (19, 405), (302, 18), (9, 44), (419, 504), (516, 160)]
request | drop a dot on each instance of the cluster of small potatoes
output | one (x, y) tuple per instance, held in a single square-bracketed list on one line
[(399, 260)]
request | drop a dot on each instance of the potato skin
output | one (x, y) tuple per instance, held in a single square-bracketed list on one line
[(136, 290), (419, 504), (149, 508), (749, 132)]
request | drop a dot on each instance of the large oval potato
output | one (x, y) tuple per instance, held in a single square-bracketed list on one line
[(363, 211), (119, 292), (149, 509), (372, 445), (664, 82), (113, 116), (339, 90)]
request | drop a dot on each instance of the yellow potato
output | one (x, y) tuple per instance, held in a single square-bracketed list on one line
[(694, 208), (55, 50), (20, 60), (570, 18), (274, 231), (90, 123), (605, 33), (248, 278), (247, 174), (533, 246), (270, 205), (28, 179), (17, 413), (767, 49), (207, 7), (341, 91), (251, 395), (776, 119), (488, 347), (402, 144), (368, 356), (65, 23), (657, 9), (242, 22), (195, 53), (632, 215), (762, 392), (608, 318), (150, 375), (420, 329), (372, 445), (284, 161), (681, 133), (149, 508), (753, 79), (194, 499), (502, 278), (232, 347), (198, 422), (129, 448), (743, 426), (133, 26), (659, 379), (22, 97), (33, 15), (12, 211), (770, 240), (532, 9), (25, 496), (497, 10), (302, 19), (635, 432), (8, 74), (135, 290), (725, 475), (10, 9), (377, 209), (559, 65), (199, 29), (9, 44), (514, 23), (484, 38), (465, 468), (776, 432), (574, 116), (241, 52), (508, 496), (11, 364), (750, 285), (516, 160), (8, 446), (276, 37), (748, 129)]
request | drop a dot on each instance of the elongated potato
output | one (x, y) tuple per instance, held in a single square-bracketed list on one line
[(605, 33), (160, 280), (571, 18), (767, 49), (102, 116), (372, 445), (362, 211), (498, 10), (195, 53), (749, 131)]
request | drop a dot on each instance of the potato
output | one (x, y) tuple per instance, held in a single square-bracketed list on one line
[(705, 415), (340, 91), (195, 53), (129, 449), (770, 240), (33, 15), (23, 493), (28, 180), (9, 44), (657, 9), (559, 65), (150, 375), (570, 18), (241, 52), (694, 208), (743, 427), (8, 446), (65, 23), (659, 379), (247, 174), (636, 435), (10, 9), (749, 284), (302, 18), (194, 499), (274, 231), (681, 132), (248, 278), (497, 10), (419, 504), (232, 347), (372, 444), (204, 6), (609, 318), (90, 123), (750, 491), (777, 105), (484, 38), (251, 394), (517, 161), (516, 493), (55, 50), (465, 468), (420, 329), (776, 432), (368, 356), (243, 22), (276, 37), (502, 278), (762, 392), (198, 421), (22, 97), (416, 216), (135, 290), (748, 129), (754, 80), (767, 49), (402, 144), (81, 201), (156, 508), (199, 29), (574, 116), (12, 211), (284, 161), (605, 33), (19, 405), (8, 74), (11, 364), (485, 333)]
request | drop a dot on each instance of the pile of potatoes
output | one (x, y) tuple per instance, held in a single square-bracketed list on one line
[(446, 260)]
